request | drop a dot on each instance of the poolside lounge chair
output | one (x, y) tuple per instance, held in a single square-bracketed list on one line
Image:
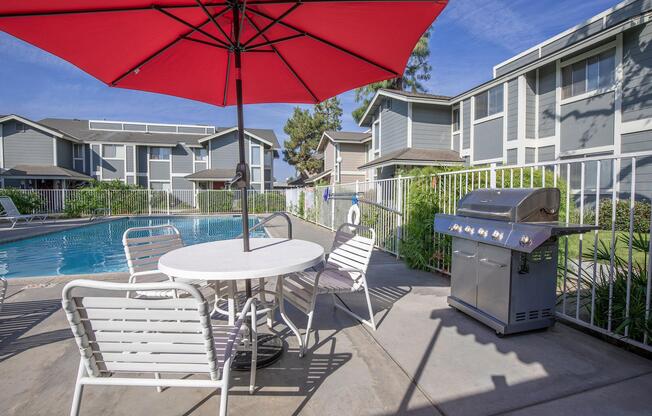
[(344, 272), (12, 214), (120, 336), (3, 291)]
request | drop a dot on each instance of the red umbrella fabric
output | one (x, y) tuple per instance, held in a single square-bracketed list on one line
[(292, 51)]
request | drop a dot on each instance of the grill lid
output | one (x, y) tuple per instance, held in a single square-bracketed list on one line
[(514, 205)]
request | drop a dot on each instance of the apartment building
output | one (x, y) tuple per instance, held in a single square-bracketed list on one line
[(62, 153), (585, 92)]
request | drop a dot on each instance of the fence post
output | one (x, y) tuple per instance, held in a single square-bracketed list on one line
[(63, 199), (399, 219), (492, 176), (357, 187), (110, 206), (167, 194), (149, 201), (332, 210), (266, 202)]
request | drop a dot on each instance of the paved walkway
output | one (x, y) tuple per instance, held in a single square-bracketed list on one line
[(425, 359)]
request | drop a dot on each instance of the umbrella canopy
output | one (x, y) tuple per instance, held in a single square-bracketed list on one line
[(301, 51), (291, 51)]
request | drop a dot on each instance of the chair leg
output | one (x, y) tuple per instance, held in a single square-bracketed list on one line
[(372, 320), (224, 399), (254, 350), (79, 389), (310, 313), (158, 377)]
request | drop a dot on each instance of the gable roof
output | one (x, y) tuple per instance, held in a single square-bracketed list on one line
[(344, 137), (212, 175), (416, 157), (79, 129), (412, 97), (39, 126), (43, 171)]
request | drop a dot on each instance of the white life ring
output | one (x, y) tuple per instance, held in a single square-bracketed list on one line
[(353, 216)]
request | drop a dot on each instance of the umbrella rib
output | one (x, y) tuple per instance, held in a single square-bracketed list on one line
[(326, 42), (203, 42), (273, 41), (226, 80), (287, 64), (190, 25), (271, 24), (160, 51), (217, 25)]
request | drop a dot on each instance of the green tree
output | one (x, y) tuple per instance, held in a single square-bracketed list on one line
[(416, 72), (305, 129)]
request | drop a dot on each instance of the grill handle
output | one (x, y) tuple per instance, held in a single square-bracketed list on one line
[(463, 254), (492, 263)]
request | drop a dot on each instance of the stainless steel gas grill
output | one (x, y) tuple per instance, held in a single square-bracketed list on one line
[(504, 266)]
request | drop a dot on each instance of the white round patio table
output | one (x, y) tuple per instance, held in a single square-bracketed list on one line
[(225, 260)]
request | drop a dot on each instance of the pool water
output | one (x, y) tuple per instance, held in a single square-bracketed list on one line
[(98, 248)]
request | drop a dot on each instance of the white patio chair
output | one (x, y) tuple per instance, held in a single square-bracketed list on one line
[(119, 337), (11, 213), (344, 272), (3, 291)]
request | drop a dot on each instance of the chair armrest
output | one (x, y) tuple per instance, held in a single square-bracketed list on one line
[(243, 314), (133, 277)]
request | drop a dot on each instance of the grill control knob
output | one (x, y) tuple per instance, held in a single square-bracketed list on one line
[(497, 235), (482, 232), (455, 227), (468, 229), (525, 240)]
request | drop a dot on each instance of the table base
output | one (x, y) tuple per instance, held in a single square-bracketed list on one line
[(270, 349)]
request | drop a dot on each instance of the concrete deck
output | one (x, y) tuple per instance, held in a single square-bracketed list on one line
[(425, 359)]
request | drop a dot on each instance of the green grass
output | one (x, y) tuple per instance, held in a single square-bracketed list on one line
[(622, 250)]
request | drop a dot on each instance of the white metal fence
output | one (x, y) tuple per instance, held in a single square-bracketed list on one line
[(88, 201), (604, 276)]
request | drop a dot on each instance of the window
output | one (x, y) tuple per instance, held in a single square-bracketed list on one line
[(113, 151), (269, 158), (489, 102), (77, 151), (591, 74), (255, 155), (375, 135), (201, 154), (159, 153), (456, 119), (20, 127), (255, 174)]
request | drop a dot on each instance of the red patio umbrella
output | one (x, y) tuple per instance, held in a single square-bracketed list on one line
[(302, 51)]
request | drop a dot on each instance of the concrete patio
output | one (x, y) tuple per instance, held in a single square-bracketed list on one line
[(425, 359)]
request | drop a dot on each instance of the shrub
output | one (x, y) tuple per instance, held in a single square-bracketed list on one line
[(210, 201), (641, 215), (267, 202), (302, 204), (118, 197), (26, 202)]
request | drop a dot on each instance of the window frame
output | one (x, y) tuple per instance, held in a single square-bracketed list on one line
[(487, 105), (600, 55), (158, 159), (196, 158), (456, 123)]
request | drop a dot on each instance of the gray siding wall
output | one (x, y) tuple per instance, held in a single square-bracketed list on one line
[(200, 166), (512, 156), (393, 127), (131, 180), (182, 159), (628, 11), (113, 169), (223, 151), (637, 142), (95, 160), (488, 140), (141, 159), (456, 142), (530, 106), (573, 37), (87, 152), (512, 109), (637, 72), (588, 123), (64, 153), (130, 159), (329, 156), (517, 63), (353, 156), (546, 153), (159, 170), (78, 165), (181, 183), (530, 155), (29, 147), (547, 100), (431, 127), (466, 124)]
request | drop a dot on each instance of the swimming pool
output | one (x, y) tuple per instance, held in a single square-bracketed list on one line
[(98, 248)]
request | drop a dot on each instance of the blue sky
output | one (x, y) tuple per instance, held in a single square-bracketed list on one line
[(467, 40)]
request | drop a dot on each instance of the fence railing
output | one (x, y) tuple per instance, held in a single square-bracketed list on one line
[(86, 202), (604, 276)]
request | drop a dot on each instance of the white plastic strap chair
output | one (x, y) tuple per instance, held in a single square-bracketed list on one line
[(119, 336), (3, 291), (11, 213), (344, 272)]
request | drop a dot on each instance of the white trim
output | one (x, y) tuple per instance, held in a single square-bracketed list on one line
[(413, 163), (634, 126), (584, 96), (38, 127), (145, 124), (2, 148), (409, 125), (489, 118), (548, 41), (325, 134), (351, 172), (521, 127), (505, 117), (618, 98), (471, 130), (600, 149), (537, 97), (232, 129), (133, 143), (589, 54), (375, 139), (55, 154), (484, 161), (400, 97), (557, 135)]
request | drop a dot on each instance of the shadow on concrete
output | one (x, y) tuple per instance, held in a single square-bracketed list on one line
[(18, 318)]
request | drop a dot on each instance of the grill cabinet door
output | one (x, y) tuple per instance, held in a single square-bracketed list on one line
[(464, 274), (493, 281)]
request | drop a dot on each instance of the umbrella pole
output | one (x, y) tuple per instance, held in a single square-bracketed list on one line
[(242, 166)]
